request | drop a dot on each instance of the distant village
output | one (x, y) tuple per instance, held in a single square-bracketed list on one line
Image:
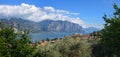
[(77, 36)]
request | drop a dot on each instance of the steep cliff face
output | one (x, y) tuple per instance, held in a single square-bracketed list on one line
[(59, 26)]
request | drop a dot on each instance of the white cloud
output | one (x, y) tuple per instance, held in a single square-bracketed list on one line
[(24, 11), (33, 13), (50, 9), (99, 26)]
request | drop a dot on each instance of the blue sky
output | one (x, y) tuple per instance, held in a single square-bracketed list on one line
[(90, 11)]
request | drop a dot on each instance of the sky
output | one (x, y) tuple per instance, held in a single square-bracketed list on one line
[(83, 12)]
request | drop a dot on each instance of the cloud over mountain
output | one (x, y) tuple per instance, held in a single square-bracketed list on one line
[(33, 13)]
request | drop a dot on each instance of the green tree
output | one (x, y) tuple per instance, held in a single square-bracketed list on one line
[(47, 39), (111, 34), (14, 45)]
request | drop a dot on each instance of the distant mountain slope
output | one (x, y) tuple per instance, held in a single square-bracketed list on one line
[(21, 24), (46, 26), (59, 26), (91, 29)]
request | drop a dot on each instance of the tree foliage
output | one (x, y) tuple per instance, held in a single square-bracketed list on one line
[(14, 45), (111, 34), (68, 47)]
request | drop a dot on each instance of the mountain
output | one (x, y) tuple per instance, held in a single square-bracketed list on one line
[(21, 24), (46, 26), (90, 29), (59, 26)]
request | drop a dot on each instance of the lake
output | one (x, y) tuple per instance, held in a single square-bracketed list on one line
[(43, 36)]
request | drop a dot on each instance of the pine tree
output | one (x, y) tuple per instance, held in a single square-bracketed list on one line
[(111, 34)]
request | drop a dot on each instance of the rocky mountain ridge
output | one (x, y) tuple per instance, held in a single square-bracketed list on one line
[(46, 26)]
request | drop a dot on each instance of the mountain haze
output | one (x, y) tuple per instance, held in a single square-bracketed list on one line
[(45, 26)]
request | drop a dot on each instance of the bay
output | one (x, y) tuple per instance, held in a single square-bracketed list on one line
[(50, 35)]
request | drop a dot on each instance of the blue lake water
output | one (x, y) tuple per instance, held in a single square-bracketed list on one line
[(43, 36)]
